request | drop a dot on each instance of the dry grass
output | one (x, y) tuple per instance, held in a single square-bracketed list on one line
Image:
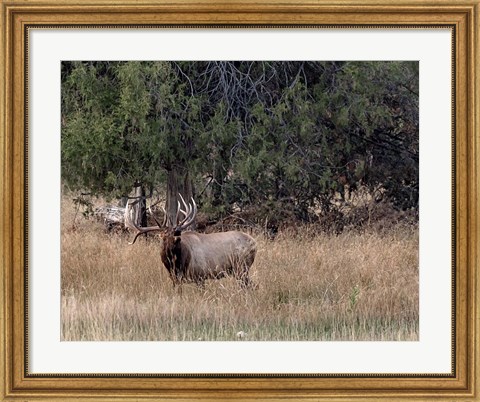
[(347, 287)]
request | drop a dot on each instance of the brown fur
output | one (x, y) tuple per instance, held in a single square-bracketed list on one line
[(196, 257)]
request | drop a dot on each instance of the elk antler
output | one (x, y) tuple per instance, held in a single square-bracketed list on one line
[(190, 212), (139, 230)]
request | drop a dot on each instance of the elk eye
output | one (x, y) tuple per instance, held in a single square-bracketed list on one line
[(177, 239)]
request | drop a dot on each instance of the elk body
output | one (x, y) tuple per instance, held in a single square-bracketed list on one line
[(195, 257)]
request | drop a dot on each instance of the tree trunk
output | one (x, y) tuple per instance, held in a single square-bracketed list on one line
[(178, 181), (140, 209)]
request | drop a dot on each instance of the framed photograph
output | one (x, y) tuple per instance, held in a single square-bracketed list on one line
[(243, 200)]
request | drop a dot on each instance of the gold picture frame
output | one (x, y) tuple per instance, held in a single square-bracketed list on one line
[(16, 383)]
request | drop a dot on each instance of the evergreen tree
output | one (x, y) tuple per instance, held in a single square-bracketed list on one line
[(271, 135)]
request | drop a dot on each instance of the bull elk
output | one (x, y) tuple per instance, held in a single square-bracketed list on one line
[(195, 257)]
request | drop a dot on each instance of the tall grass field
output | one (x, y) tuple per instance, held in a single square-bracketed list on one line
[(308, 287)]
